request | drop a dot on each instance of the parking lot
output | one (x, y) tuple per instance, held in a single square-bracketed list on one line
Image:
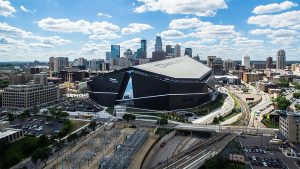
[(38, 125), (83, 105), (263, 155)]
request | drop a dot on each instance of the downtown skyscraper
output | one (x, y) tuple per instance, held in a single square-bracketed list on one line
[(280, 60), (158, 44)]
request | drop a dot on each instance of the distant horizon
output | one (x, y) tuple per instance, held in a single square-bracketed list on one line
[(147, 58)]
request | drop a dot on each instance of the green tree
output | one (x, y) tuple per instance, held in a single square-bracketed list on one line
[(28, 148), (93, 125), (283, 83), (245, 89), (296, 95), (4, 146), (43, 141), (63, 114), (35, 110), (10, 116), (40, 153), (215, 120), (72, 137), (282, 102), (162, 122), (297, 106), (45, 112), (128, 117)]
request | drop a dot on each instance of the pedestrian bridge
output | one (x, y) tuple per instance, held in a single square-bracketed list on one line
[(220, 128)]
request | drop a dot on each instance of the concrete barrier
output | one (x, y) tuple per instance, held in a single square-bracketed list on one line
[(155, 149)]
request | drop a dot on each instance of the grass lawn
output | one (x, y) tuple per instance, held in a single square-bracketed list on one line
[(208, 107), (15, 152), (76, 124)]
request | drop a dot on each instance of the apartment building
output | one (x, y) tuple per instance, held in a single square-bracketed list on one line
[(249, 77), (29, 95), (289, 126)]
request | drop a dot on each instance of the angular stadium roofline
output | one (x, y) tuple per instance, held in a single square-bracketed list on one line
[(182, 67)]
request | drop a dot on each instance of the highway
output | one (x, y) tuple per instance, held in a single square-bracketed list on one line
[(185, 158), (265, 102), (224, 110), (220, 128)]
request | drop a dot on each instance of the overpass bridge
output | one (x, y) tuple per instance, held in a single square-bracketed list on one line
[(224, 129)]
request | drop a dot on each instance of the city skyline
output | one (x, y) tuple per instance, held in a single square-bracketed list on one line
[(35, 31)]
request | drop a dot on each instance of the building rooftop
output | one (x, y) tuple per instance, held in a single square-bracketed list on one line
[(182, 67), (8, 131), (226, 76)]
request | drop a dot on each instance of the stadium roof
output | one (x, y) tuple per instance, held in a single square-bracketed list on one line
[(180, 67)]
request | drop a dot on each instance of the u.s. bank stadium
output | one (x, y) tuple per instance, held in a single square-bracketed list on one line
[(171, 84)]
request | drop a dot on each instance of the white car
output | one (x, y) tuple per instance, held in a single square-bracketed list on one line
[(265, 164)]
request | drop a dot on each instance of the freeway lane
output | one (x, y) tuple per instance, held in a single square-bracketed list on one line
[(224, 110)]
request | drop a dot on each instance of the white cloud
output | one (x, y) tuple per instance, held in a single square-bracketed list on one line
[(11, 31), (40, 45), (187, 23), (104, 30), (12, 36), (172, 34), (195, 7), (276, 21), (95, 49), (278, 37), (296, 27), (204, 30), (104, 15), (64, 25), (6, 9), (243, 41), (24, 9), (284, 41), (98, 30), (275, 7), (135, 28)]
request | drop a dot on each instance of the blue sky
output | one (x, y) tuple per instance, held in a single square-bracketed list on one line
[(230, 29)]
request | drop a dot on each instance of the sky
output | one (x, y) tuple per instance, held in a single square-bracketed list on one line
[(230, 29)]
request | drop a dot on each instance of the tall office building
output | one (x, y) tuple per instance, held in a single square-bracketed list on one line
[(140, 54), (144, 48), (218, 66), (177, 50), (128, 54), (57, 64), (189, 52), (169, 50), (80, 62), (269, 62), (229, 65), (115, 52), (95, 64), (246, 62), (210, 60), (40, 79), (158, 55), (281, 60), (158, 44), (27, 96), (107, 55)]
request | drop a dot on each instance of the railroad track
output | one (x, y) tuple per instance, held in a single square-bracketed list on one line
[(185, 158), (246, 113)]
